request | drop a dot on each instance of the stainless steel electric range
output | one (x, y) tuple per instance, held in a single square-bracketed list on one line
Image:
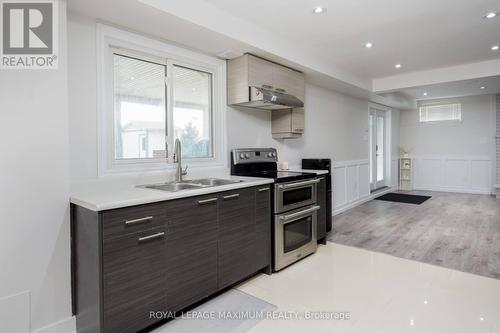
[(294, 203)]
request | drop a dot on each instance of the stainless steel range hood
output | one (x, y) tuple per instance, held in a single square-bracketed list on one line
[(267, 99)]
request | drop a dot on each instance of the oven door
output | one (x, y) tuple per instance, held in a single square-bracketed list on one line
[(295, 236), (290, 196)]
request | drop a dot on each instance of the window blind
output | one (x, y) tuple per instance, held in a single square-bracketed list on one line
[(440, 112)]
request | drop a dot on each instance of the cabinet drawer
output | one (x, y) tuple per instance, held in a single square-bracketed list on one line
[(134, 273), (123, 221)]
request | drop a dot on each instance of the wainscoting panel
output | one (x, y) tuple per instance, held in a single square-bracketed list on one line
[(339, 186), (364, 180), (428, 172), (456, 173), (394, 172), (465, 174), (351, 184)]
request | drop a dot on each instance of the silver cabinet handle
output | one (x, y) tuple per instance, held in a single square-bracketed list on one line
[(232, 196), (154, 236), (301, 213), (264, 189), (141, 220), (299, 184), (207, 201)]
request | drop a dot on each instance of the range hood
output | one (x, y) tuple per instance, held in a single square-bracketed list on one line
[(267, 99)]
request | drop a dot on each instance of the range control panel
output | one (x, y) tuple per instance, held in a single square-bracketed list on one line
[(254, 155)]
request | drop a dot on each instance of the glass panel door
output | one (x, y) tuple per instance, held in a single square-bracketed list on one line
[(380, 148), (377, 142)]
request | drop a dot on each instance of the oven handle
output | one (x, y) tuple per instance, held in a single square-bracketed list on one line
[(298, 214), (299, 184)]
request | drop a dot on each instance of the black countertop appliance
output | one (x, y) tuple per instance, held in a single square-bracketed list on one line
[(323, 164)]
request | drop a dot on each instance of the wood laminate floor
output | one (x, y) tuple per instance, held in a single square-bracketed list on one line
[(457, 231)]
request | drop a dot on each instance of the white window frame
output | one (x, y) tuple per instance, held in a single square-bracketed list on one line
[(110, 39)]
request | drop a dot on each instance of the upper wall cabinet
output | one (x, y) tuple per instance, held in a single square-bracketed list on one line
[(248, 73)]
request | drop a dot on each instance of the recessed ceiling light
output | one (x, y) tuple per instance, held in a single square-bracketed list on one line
[(369, 45), (495, 48), (319, 10), (482, 87), (425, 94), (398, 65), (490, 15)]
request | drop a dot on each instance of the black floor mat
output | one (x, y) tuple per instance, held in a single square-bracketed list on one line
[(404, 198)]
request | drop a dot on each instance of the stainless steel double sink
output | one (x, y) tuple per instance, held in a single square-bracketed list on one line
[(190, 184)]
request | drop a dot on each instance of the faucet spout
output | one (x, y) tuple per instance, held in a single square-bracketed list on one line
[(178, 159)]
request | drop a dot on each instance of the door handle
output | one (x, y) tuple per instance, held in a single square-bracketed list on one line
[(207, 201), (232, 196), (141, 220), (264, 189), (299, 184), (301, 213), (151, 237)]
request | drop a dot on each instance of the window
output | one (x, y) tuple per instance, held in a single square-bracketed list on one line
[(193, 111), (139, 108), (440, 112), (152, 93)]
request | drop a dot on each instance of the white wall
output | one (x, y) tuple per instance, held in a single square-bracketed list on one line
[(335, 127), (249, 128), (34, 196), (82, 97), (453, 156)]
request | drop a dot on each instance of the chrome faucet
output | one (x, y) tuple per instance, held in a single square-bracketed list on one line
[(178, 159)]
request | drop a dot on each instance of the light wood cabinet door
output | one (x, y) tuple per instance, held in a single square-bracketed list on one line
[(288, 81), (297, 120), (260, 72)]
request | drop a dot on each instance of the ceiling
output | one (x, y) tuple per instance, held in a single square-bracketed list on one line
[(426, 36), (455, 89), (420, 35)]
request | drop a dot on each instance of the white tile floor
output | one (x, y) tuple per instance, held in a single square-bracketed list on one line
[(382, 293)]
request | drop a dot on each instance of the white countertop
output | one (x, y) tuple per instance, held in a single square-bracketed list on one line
[(99, 198), (318, 172)]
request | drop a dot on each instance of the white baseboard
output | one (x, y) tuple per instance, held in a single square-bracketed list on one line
[(362, 200), (67, 325)]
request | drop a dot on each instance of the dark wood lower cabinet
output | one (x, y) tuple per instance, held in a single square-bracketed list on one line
[(164, 256), (263, 227), (134, 273), (237, 236), (191, 250)]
